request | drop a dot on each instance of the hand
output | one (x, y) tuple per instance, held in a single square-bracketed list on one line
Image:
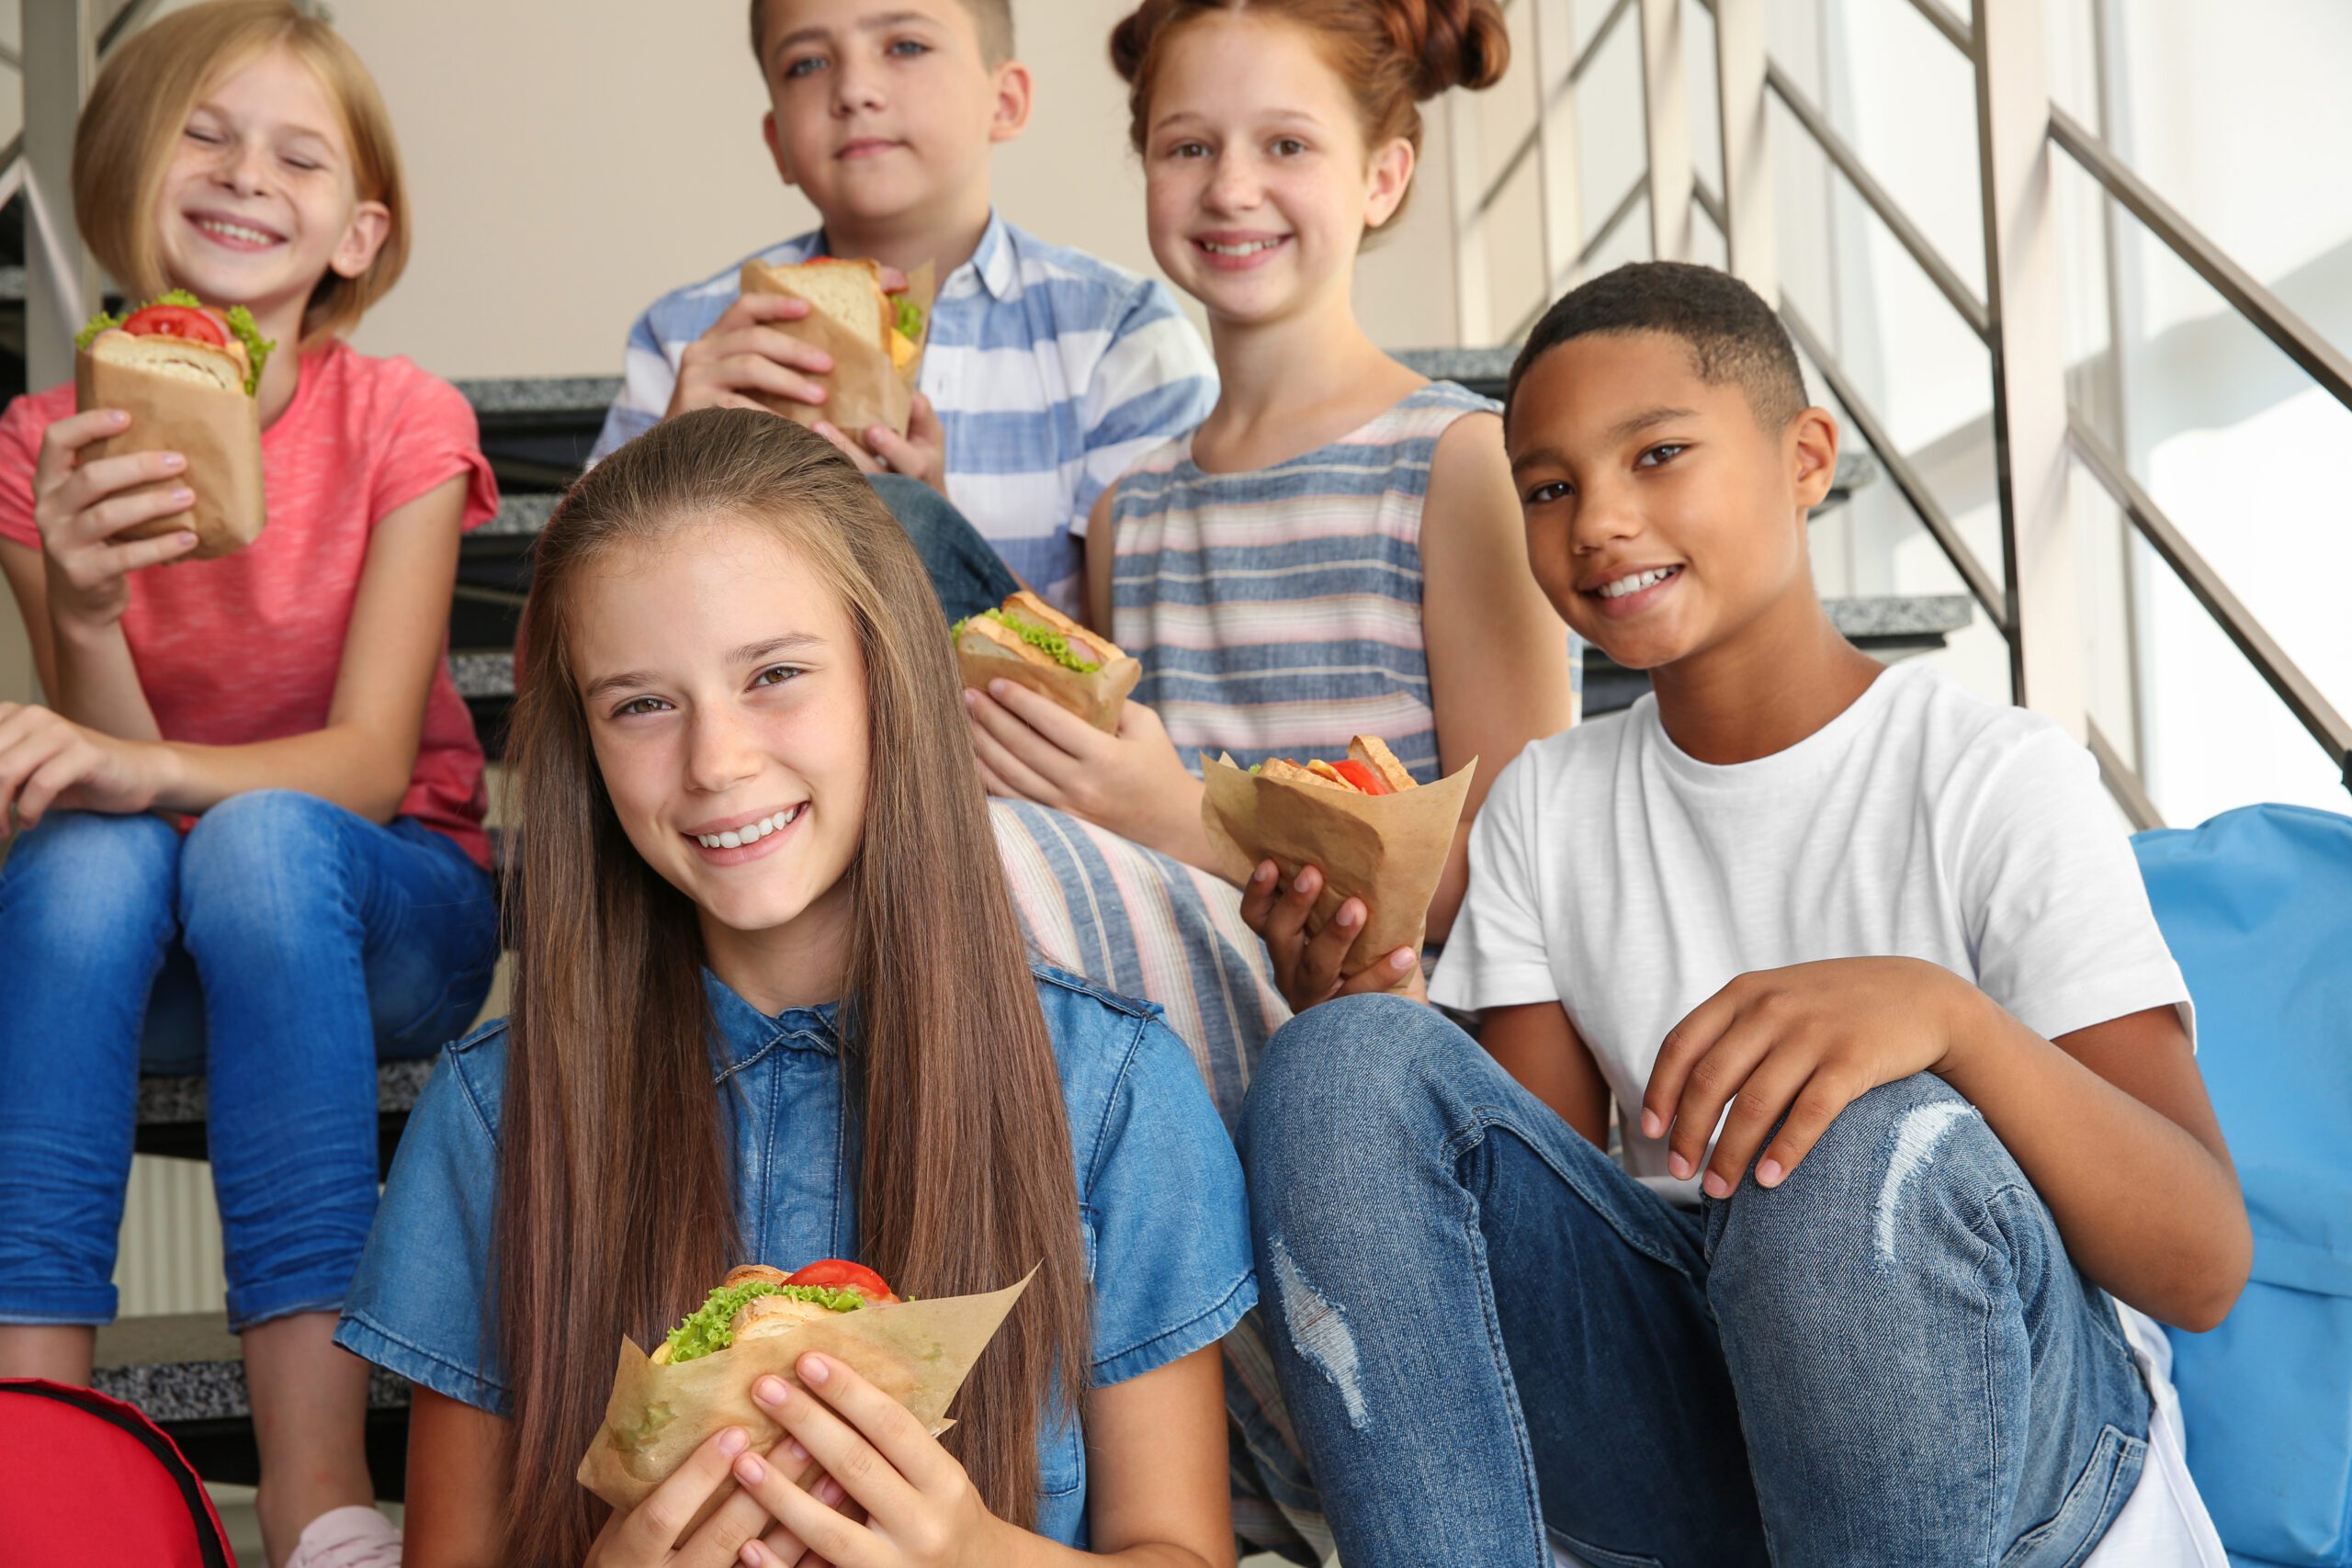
[(48, 760), (1132, 783), (920, 454), (1307, 965), (647, 1534), (922, 1510), (80, 508), (749, 350), (1804, 1042)]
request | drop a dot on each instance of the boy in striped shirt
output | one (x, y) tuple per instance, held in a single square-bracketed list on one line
[(1046, 370)]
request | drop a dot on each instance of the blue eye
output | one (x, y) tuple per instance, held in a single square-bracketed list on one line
[(908, 48), (1664, 452), (802, 66)]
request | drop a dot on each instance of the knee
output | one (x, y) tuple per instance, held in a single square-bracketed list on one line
[(1904, 1171), (1344, 1084), (922, 510), (260, 858), (81, 882)]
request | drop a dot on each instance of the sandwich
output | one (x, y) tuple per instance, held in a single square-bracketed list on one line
[(876, 339), (756, 1302), (186, 375), (1027, 641), (1369, 768)]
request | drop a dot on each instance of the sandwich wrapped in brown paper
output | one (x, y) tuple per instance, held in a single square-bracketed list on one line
[(1388, 850), (217, 429), (917, 1352), (864, 388), (1098, 696)]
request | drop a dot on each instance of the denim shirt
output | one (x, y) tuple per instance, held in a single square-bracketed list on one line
[(1160, 1191)]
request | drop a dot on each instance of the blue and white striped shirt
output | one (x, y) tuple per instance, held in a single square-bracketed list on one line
[(1051, 372)]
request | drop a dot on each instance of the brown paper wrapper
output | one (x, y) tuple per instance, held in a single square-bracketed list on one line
[(864, 388), (917, 1352), (217, 430), (1388, 850), (1098, 698)]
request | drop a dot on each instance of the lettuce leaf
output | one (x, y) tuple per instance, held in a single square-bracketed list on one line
[(240, 320), (710, 1327)]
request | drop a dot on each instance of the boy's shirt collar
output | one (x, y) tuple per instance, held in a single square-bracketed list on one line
[(992, 262)]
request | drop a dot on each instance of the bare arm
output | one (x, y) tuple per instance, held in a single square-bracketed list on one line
[(1537, 1045), (364, 758), (458, 1485), (1101, 558), (2112, 1125), (1498, 652), (1157, 1487)]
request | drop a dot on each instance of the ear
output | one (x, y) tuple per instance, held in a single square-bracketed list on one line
[(1388, 175), (1813, 455), (775, 148), (370, 226), (1015, 96)]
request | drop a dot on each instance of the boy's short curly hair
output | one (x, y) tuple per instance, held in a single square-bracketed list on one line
[(1731, 333), (993, 18)]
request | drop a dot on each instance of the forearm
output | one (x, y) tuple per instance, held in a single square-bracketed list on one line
[(2147, 1211), (1025, 1550), (1174, 828), (364, 773), (97, 681), (1453, 886)]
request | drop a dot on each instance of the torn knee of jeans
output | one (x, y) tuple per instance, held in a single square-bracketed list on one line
[(1911, 1150), (1320, 1333)]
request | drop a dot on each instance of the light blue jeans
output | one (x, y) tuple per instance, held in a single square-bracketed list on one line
[(1485, 1330), (281, 947)]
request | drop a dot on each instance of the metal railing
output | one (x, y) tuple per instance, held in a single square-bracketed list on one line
[(2039, 437)]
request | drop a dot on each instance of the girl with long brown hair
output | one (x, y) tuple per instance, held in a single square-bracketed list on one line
[(772, 1003)]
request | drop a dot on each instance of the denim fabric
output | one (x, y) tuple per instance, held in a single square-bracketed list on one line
[(1485, 1329), (1158, 1187), (966, 571), (281, 947)]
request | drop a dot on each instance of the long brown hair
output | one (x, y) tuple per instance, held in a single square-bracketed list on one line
[(1391, 53), (615, 1212)]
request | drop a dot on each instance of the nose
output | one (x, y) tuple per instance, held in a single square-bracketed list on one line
[(720, 752), (1607, 514), (857, 87), (1234, 185), (242, 167)]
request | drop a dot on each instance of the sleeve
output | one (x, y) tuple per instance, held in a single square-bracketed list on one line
[(1155, 380), (1167, 1218), (435, 438), (1496, 955), (648, 378), (21, 429), (419, 1304), (2053, 906)]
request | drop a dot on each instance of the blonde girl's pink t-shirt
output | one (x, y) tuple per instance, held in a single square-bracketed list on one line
[(246, 648)]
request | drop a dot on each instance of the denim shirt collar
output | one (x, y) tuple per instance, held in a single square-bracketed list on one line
[(741, 1032)]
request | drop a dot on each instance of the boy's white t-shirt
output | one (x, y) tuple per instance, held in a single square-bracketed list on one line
[(1612, 871)]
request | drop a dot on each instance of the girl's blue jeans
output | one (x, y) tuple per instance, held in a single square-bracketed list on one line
[(1485, 1329), (281, 947)]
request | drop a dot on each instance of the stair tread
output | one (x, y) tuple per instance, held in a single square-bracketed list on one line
[(188, 1366), (170, 1099)]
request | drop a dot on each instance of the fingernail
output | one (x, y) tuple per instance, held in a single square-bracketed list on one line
[(1401, 959), (998, 688), (1351, 917), (1767, 1173), (181, 496), (734, 1440), (770, 1391), (814, 1370), (1680, 1166), (829, 1492), (750, 1554), (1263, 874), (1309, 880), (971, 698), (1653, 1124), (795, 1453), (1715, 1185), (115, 416), (184, 540), (751, 1470), (174, 462)]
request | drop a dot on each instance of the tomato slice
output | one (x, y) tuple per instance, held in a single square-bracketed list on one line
[(839, 1273), (177, 321), (1363, 778)]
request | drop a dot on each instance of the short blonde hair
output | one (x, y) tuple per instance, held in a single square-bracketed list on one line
[(141, 104)]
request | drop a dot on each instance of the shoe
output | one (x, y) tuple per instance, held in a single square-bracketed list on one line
[(347, 1537)]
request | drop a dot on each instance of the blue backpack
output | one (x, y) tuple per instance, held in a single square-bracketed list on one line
[(2257, 907)]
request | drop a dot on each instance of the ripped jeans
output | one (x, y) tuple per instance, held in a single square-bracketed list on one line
[(1489, 1335)]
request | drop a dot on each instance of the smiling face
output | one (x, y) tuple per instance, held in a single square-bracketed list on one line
[(260, 200), (881, 109), (1258, 185), (1663, 520), (726, 696)]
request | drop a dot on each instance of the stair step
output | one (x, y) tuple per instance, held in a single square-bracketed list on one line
[(175, 1101), (188, 1366)]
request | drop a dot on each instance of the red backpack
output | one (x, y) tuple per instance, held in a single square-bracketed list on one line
[(85, 1478)]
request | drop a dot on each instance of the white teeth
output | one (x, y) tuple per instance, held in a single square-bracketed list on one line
[(235, 231), (736, 838), (1247, 248), (1636, 582)]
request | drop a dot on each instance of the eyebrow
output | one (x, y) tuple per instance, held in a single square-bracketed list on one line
[(882, 23), (750, 653), (1649, 419)]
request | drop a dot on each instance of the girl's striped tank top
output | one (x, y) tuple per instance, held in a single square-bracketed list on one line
[(1278, 611)]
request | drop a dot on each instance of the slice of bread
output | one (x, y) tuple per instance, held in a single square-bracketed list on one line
[(180, 358), (843, 290), (1373, 753), (994, 638), (1087, 645)]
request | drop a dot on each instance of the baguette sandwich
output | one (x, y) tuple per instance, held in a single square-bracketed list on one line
[(1030, 643), (1369, 768)]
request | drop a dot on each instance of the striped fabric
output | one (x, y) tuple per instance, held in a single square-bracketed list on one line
[(1051, 371), (1278, 611)]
